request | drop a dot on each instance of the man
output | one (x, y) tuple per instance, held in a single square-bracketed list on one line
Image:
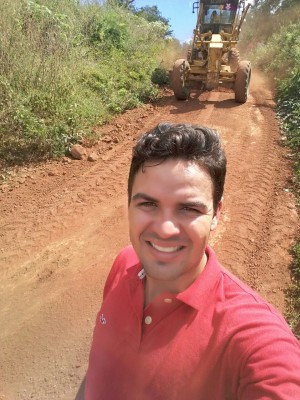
[(215, 18), (174, 324)]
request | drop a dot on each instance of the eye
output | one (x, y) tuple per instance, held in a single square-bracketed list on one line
[(147, 204), (191, 210)]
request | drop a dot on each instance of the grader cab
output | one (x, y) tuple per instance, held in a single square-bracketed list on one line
[(213, 59)]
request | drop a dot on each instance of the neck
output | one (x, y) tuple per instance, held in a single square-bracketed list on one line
[(154, 287)]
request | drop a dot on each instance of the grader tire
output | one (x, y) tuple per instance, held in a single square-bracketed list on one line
[(242, 82), (234, 59), (179, 84)]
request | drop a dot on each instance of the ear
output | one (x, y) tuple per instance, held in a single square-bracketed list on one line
[(217, 215)]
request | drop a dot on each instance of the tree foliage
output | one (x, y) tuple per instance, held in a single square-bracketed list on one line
[(152, 14), (273, 6)]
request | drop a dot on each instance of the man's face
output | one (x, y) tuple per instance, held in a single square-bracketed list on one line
[(170, 218)]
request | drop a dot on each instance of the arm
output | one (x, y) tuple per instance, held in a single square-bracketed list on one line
[(268, 356), (272, 371)]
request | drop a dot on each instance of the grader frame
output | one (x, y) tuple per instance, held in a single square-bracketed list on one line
[(213, 59)]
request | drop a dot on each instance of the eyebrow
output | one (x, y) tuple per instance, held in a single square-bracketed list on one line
[(143, 196), (197, 204)]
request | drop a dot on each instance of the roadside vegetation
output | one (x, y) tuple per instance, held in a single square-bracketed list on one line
[(272, 40), (67, 66)]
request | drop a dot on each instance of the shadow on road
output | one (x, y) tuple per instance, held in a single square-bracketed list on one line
[(195, 104)]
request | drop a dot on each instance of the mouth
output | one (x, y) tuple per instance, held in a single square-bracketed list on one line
[(170, 249)]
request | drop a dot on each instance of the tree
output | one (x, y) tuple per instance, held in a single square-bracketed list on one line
[(273, 6), (266, 6), (285, 4), (152, 14)]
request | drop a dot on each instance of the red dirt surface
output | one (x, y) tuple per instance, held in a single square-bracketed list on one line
[(62, 223)]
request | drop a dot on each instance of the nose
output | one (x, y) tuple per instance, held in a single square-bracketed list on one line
[(166, 227)]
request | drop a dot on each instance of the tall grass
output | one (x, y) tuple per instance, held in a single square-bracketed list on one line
[(67, 66)]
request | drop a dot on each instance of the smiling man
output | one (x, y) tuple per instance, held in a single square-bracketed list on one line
[(174, 324), (171, 214)]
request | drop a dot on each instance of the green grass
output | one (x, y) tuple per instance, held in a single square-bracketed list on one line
[(293, 313)]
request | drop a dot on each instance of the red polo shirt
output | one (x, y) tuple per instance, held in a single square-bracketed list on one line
[(217, 340)]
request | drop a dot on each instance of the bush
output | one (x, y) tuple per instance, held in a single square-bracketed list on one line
[(160, 76), (281, 53), (288, 104)]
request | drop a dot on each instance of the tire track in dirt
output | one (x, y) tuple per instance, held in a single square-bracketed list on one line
[(71, 195), (56, 213), (255, 196), (251, 179)]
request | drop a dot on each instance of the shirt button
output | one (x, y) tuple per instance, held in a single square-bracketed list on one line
[(148, 320), (168, 300)]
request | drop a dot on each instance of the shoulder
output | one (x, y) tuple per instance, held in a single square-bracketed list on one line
[(240, 310), (257, 337), (124, 261), (127, 257), (244, 305), (253, 326)]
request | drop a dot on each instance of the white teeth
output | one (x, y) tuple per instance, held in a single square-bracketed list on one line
[(165, 249)]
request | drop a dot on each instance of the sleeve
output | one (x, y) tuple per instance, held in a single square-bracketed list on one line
[(271, 367)]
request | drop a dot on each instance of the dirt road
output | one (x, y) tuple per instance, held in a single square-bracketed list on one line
[(61, 225)]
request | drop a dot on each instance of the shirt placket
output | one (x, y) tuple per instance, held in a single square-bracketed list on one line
[(158, 310)]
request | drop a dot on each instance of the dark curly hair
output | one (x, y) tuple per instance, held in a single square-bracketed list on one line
[(196, 143)]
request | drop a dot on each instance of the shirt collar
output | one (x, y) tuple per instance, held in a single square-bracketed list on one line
[(198, 292)]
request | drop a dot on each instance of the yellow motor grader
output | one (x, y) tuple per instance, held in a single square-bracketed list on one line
[(213, 59)]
